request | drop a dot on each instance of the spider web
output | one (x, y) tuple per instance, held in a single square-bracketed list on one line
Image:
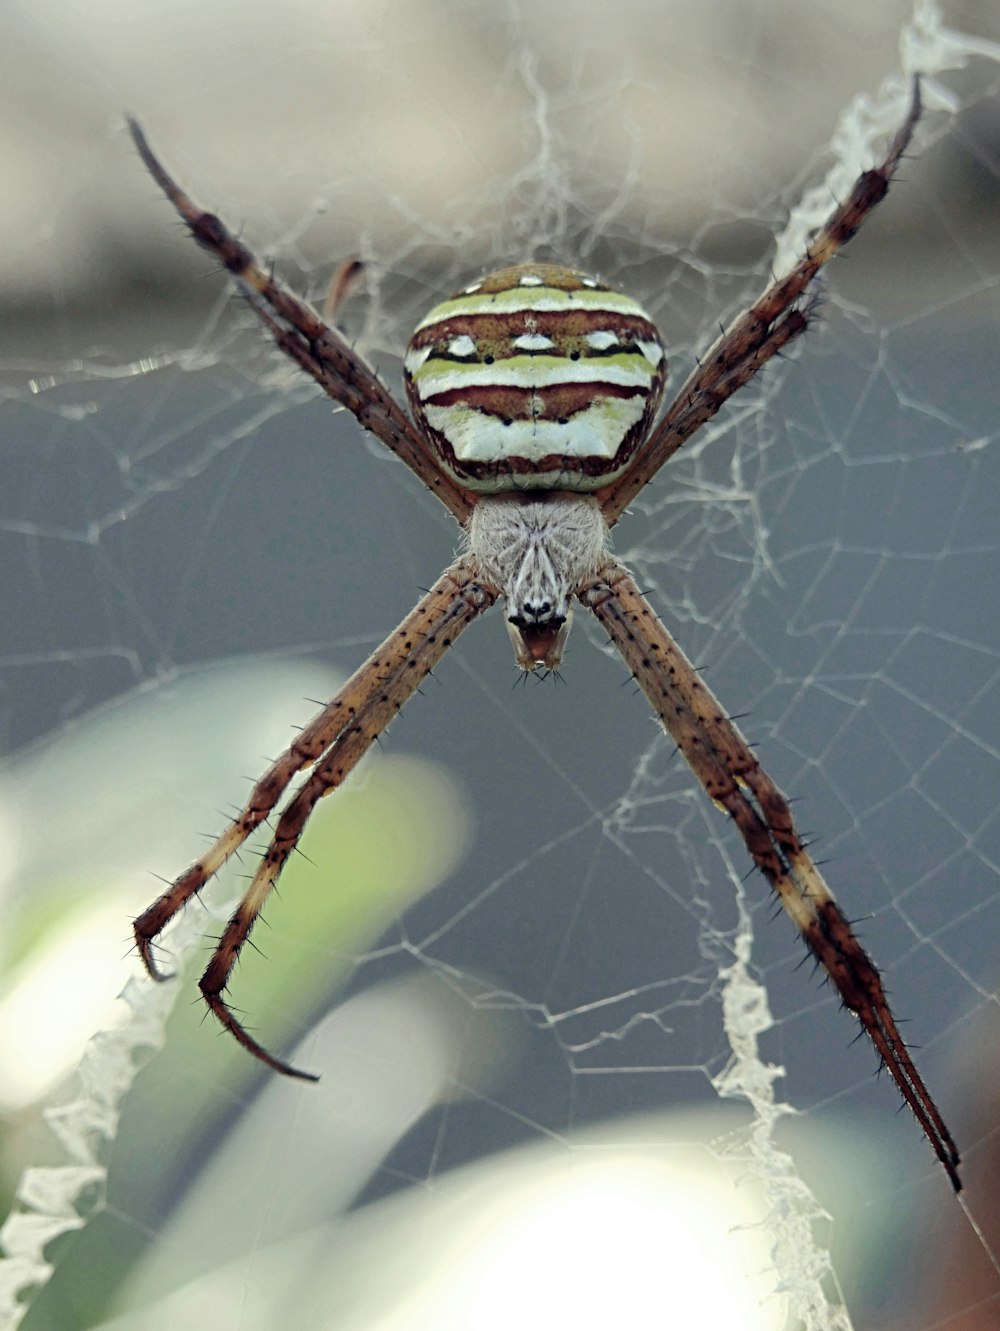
[(574, 1073)]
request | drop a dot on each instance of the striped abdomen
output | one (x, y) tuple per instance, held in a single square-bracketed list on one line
[(536, 377)]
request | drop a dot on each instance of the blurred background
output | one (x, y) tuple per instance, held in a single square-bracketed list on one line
[(508, 945)]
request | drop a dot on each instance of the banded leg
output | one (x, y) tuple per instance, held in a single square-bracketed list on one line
[(758, 333), (729, 771), (303, 336), (384, 695), (372, 696)]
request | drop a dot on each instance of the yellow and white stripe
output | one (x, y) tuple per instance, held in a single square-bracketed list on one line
[(535, 377)]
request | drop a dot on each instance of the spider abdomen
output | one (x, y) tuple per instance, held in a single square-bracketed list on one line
[(535, 378)]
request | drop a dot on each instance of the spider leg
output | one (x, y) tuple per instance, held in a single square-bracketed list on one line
[(757, 334), (303, 336), (456, 599), (347, 276), (729, 771), (365, 704)]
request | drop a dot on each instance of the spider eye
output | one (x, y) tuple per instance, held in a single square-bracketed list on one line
[(539, 612)]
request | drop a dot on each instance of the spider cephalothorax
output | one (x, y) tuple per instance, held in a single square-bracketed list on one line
[(534, 394), (537, 548)]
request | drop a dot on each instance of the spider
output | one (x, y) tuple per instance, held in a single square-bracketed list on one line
[(534, 395)]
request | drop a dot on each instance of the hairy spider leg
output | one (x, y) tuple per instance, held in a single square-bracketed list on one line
[(302, 335), (363, 707), (461, 603), (727, 768), (759, 333)]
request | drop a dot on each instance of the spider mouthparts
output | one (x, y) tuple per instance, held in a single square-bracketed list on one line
[(538, 644)]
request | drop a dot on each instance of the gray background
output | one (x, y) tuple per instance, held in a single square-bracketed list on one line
[(830, 562)]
